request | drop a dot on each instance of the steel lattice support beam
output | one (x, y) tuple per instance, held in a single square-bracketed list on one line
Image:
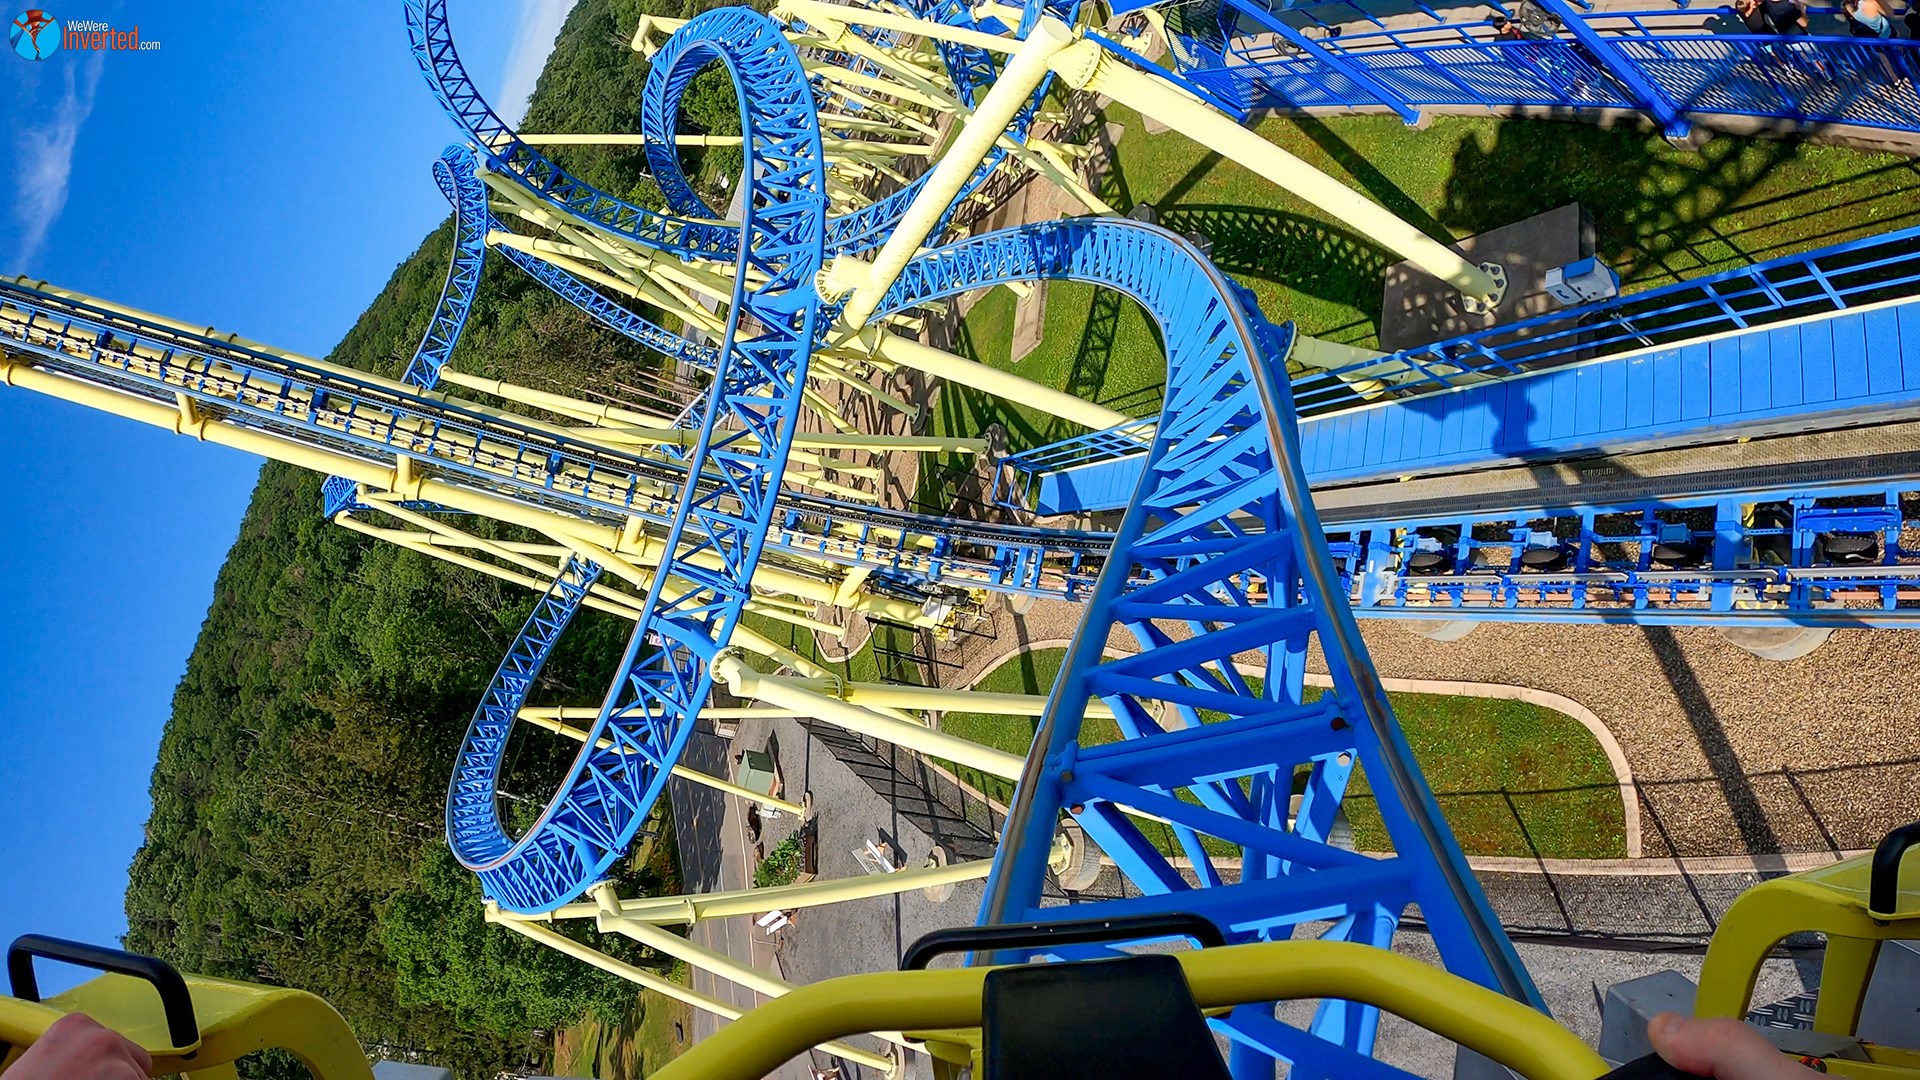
[(1220, 555), (666, 671)]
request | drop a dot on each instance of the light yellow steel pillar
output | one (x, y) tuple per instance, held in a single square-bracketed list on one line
[(684, 772), (610, 601), (798, 694), (1005, 384), (879, 444), (590, 411), (873, 342), (640, 976), (1316, 353), (801, 694), (823, 13), (637, 575), (711, 712), (693, 775), (709, 960), (893, 695), (1368, 381), (1008, 95), (694, 907), (1087, 66), (599, 598)]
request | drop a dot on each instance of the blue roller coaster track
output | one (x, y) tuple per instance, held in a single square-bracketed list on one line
[(454, 173), (1223, 551), (1221, 567), (689, 231), (1819, 342), (1220, 557), (747, 431)]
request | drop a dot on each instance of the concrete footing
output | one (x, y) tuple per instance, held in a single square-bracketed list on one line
[(1778, 643)]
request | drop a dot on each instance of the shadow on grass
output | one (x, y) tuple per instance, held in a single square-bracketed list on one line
[(1369, 177), (1297, 253), (1663, 213)]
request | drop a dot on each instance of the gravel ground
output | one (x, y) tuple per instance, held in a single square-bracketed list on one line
[(1733, 754)]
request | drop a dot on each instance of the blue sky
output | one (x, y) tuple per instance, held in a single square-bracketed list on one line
[(262, 172)]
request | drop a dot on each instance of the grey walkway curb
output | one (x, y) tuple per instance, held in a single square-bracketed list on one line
[(1545, 699)]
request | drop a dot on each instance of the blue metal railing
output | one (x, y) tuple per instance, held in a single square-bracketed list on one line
[(1665, 61), (1013, 486), (1836, 278)]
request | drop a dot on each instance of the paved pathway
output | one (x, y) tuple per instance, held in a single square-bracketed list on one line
[(711, 832)]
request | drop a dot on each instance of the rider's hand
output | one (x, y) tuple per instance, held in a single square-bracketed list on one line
[(77, 1048), (1722, 1048)]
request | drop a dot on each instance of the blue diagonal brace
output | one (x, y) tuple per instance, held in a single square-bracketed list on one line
[(1359, 75), (1607, 51)]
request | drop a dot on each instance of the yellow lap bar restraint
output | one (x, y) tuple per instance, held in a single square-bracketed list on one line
[(235, 1019), (1473, 1016)]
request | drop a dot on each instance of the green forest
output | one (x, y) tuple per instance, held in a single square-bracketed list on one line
[(297, 798)]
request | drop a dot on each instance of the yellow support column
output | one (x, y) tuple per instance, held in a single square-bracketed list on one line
[(1009, 93), (945, 365), (691, 775), (746, 682), (642, 977), (695, 907), (1087, 66), (711, 961)]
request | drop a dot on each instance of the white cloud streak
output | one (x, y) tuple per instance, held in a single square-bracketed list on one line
[(539, 24), (43, 159)]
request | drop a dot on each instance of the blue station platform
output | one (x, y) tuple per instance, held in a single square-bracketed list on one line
[(1857, 366)]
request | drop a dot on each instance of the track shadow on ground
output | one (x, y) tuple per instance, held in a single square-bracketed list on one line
[(1749, 816), (1662, 213), (1298, 253)]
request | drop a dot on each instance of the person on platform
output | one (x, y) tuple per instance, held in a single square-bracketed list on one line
[(1873, 19), (1868, 19), (1784, 18), (1535, 38)]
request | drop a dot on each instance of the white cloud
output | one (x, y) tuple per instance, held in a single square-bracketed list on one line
[(540, 22), (43, 158)]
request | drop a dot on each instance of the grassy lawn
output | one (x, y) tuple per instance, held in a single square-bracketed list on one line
[(1511, 778), (867, 665), (638, 1046), (1661, 214)]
